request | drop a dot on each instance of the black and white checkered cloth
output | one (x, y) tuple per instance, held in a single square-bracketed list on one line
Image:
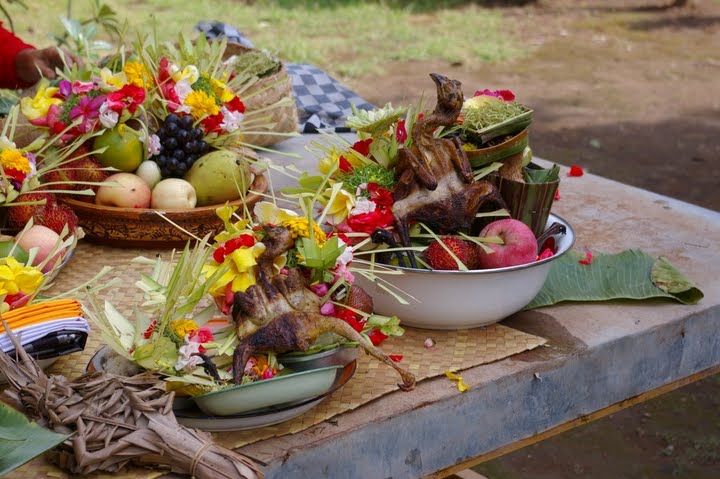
[(322, 101)]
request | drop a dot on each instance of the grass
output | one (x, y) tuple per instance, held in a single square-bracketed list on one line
[(347, 38)]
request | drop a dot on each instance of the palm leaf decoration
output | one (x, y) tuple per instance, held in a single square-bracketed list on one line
[(374, 122)]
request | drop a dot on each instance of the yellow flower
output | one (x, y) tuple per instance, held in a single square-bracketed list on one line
[(38, 106), (299, 228), (268, 213), (201, 104), (221, 90), (333, 159), (340, 207), (241, 274), (183, 327), (135, 73), (14, 160), (190, 72), (17, 278), (113, 79)]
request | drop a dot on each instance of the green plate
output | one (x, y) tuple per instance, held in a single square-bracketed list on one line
[(268, 392)]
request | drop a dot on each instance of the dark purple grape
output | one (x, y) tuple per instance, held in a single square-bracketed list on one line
[(182, 136), (196, 133), (165, 172), (181, 168), (170, 144), (172, 118), (190, 159), (161, 160), (191, 146), (161, 133), (172, 163), (172, 129), (203, 146), (179, 155), (186, 123)]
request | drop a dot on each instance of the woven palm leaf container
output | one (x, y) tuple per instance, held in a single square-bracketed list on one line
[(272, 92)]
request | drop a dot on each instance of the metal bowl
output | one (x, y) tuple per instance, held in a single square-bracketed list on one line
[(464, 299)]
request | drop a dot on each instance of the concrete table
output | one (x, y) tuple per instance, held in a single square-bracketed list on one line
[(600, 357)]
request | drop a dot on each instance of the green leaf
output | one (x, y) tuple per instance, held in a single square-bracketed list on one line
[(22, 440), (542, 175), (627, 275)]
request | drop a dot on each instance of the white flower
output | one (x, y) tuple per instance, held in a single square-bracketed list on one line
[(153, 146), (188, 355), (183, 88), (361, 187), (190, 73), (108, 118), (362, 206), (231, 120), (347, 255)]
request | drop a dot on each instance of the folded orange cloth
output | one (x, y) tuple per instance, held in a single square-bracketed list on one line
[(41, 312)]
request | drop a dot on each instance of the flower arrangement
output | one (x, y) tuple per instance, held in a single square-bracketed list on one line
[(182, 330), (489, 116), (74, 108)]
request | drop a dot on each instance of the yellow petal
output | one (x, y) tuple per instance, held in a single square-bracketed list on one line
[(243, 259), (243, 282)]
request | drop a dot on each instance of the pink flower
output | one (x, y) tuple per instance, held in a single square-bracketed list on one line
[(400, 132), (319, 289), (202, 335), (79, 87), (327, 309), (504, 95), (89, 110)]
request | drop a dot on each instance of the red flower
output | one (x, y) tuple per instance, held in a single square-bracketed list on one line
[(396, 357), (236, 105), (148, 332), (350, 318), (547, 253), (377, 337), (212, 123), (345, 165), (362, 146), (575, 171), (219, 254), (588, 258), (400, 132), (379, 195), (367, 222), (241, 241), (129, 96)]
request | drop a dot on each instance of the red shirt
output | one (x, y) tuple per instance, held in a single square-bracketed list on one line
[(10, 45)]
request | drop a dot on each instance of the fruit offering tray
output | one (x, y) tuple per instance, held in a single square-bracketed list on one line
[(450, 351), (145, 228)]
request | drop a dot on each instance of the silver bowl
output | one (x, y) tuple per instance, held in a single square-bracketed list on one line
[(464, 299)]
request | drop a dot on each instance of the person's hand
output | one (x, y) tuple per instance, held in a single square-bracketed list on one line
[(32, 64)]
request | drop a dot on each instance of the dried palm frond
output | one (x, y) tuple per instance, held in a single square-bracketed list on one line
[(115, 421)]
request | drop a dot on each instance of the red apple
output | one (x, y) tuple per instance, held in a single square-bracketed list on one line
[(520, 244), (129, 191)]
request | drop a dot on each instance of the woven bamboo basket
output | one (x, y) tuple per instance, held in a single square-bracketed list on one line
[(267, 91)]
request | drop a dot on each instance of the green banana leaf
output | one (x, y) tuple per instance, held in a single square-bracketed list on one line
[(631, 274), (22, 440)]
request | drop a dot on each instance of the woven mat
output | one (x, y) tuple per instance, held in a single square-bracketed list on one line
[(453, 350)]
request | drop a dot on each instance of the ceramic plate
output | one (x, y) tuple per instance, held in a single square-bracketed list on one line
[(268, 392), (339, 356), (264, 417)]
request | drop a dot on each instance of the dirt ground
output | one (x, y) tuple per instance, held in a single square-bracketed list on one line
[(628, 90)]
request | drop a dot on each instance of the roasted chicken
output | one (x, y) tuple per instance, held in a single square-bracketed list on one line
[(435, 182), (280, 314)]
